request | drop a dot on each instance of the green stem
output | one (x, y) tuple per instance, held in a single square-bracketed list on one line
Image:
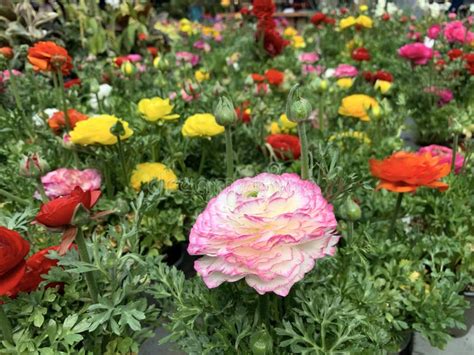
[(84, 254), (263, 308), (42, 192), (63, 100), (12, 197), (16, 95), (395, 214), (5, 326), (455, 149), (122, 161), (320, 114), (203, 158), (350, 231), (304, 151), (229, 154)]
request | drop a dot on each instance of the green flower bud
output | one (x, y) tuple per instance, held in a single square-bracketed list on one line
[(225, 112), (297, 109), (117, 129), (261, 343), (33, 166), (351, 210), (128, 68)]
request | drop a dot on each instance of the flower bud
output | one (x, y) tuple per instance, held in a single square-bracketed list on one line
[(33, 166), (128, 68), (225, 112), (300, 110), (117, 129), (351, 210), (261, 343)]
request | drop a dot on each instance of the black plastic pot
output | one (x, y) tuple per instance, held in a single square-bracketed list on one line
[(177, 256), (468, 317), (406, 346)]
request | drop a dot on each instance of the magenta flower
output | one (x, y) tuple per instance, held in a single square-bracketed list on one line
[(445, 95), (61, 182), (187, 57), (307, 69), (308, 58), (444, 154), (134, 57), (5, 75), (345, 71), (456, 32), (268, 229), (417, 53), (434, 31), (202, 45)]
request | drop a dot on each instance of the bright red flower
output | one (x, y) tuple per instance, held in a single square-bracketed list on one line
[(153, 51), (72, 82), (243, 113), (142, 36), (245, 11), (257, 78), (285, 145), (58, 213), (406, 172), (13, 249), (469, 58), (48, 56), (361, 54), (7, 52), (383, 75), (455, 53), (318, 18), (329, 21), (274, 77), (57, 122)]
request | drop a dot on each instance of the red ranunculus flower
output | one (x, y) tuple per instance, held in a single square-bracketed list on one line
[(245, 11), (383, 75), (455, 53), (48, 56), (57, 122), (153, 51), (368, 76), (386, 17), (13, 249), (58, 213), (285, 145), (274, 77), (243, 112), (263, 8), (273, 43), (318, 18), (142, 36), (72, 82), (330, 21), (361, 54), (257, 78)]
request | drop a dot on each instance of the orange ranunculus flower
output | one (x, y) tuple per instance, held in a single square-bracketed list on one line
[(405, 172), (47, 56), (57, 122), (7, 52)]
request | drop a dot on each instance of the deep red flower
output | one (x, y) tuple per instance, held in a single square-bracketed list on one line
[(48, 56), (330, 21), (72, 82), (13, 249), (153, 51), (274, 77), (243, 112), (455, 53), (273, 43), (361, 54), (285, 145), (318, 18), (368, 76), (469, 58), (386, 16), (58, 213), (263, 8), (383, 75), (245, 11)]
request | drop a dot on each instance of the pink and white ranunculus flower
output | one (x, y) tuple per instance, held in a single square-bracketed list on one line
[(62, 182), (345, 71), (308, 58), (268, 229)]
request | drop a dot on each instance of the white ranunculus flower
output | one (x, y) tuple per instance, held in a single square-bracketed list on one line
[(104, 92), (429, 42)]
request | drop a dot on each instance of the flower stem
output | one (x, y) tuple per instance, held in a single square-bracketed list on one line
[(42, 192), (395, 214), (229, 154), (320, 114), (16, 95), (5, 326), (304, 151), (122, 161), (84, 254), (203, 158), (63, 99), (455, 149), (12, 197)]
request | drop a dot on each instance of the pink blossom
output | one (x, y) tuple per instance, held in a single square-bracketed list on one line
[(452, 15), (268, 229), (444, 154), (5, 75), (308, 58), (202, 45), (445, 95), (417, 53), (61, 182), (187, 57), (434, 31), (456, 32), (345, 70), (307, 69), (134, 57)]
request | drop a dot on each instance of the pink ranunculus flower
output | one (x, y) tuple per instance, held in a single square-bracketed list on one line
[(445, 95), (455, 31), (202, 45), (5, 75), (61, 182), (345, 71), (434, 31), (308, 58), (187, 57), (417, 53), (268, 229), (444, 154), (134, 57)]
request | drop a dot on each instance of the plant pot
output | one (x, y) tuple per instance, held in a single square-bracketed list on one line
[(468, 317), (177, 256), (406, 345)]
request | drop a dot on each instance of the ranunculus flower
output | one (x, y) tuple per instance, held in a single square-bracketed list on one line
[(347, 22), (455, 53), (96, 130), (187, 57), (273, 43), (62, 182), (201, 125), (274, 77), (202, 45), (364, 21), (345, 70), (360, 54), (444, 154), (72, 82), (318, 18), (57, 121), (48, 56), (156, 109), (308, 58), (455, 31), (345, 83), (13, 249), (58, 213), (285, 145), (383, 86), (417, 53), (268, 229), (406, 172), (147, 172), (104, 92), (7, 52), (358, 106), (434, 31), (445, 95)]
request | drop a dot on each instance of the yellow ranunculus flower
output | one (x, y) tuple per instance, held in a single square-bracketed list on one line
[(363, 8), (357, 106), (127, 68), (156, 109), (286, 124), (361, 136), (383, 86), (147, 172), (209, 31), (274, 128), (347, 22), (156, 61), (201, 125), (185, 26), (298, 42), (225, 3), (364, 21), (201, 75), (345, 83), (96, 130), (290, 32)]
